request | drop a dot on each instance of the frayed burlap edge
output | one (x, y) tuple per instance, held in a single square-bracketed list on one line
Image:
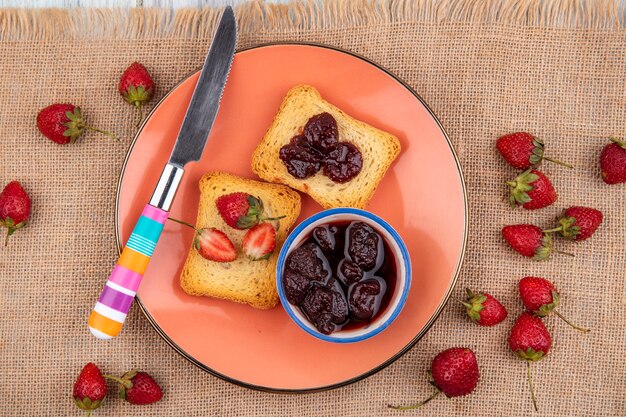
[(256, 16)]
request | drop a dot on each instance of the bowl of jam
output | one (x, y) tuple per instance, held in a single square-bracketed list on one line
[(343, 275)]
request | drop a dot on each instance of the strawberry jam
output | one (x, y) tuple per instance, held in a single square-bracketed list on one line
[(301, 160), (318, 146), (341, 277), (343, 163), (321, 132)]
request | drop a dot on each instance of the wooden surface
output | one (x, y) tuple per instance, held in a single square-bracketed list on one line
[(130, 3), (116, 3)]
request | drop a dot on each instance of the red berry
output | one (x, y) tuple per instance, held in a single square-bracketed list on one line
[(484, 309), (530, 340), (90, 388), (259, 242), (613, 162), (14, 208), (64, 123), (536, 294), (455, 373), (136, 77), (53, 122), (241, 210), (579, 223), (211, 243), (144, 390), (214, 245), (136, 86), (541, 298), (138, 388), (532, 190), (528, 240), (522, 150)]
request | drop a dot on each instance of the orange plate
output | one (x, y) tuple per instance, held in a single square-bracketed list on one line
[(422, 196)]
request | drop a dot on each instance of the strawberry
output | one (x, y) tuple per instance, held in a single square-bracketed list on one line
[(211, 243), (90, 388), (528, 240), (64, 123), (532, 190), (578, 223), (241, 210), (214, 245), (523, 150), (14, 208), (138, 387), (136, 86), (613, 162), (541, 298), (454, 372), (259, 242), (484, 309), (530, 340)]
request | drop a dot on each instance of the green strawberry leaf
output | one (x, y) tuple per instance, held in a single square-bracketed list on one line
[(568, 228), (530, 354), (520, 187)]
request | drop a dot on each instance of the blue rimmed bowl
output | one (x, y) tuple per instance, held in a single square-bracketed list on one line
[(403, 273)]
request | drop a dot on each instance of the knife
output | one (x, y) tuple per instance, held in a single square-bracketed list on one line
[(108, 315)]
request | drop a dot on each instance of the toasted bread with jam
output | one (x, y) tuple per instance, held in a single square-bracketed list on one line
[(378, 149)]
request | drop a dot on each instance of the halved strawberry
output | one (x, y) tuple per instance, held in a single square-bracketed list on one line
[(259, 242), (211, 243), (214, 245)]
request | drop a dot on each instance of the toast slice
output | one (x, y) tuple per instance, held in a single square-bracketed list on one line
[(378, 148), (243, 280)]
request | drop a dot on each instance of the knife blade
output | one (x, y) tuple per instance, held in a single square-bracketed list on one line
[(111, 309), (206, 97)]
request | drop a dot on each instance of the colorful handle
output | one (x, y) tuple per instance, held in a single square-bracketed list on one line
[(119, 292)]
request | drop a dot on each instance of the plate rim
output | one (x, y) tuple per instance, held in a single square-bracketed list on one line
[(390, 360)]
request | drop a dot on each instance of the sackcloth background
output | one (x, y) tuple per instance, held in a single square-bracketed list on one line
[(486, 68)]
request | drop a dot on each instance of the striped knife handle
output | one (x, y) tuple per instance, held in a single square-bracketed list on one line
[(119, 292)]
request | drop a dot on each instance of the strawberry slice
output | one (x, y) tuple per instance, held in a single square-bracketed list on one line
[(259, 242), (214, 245), (211, 243)]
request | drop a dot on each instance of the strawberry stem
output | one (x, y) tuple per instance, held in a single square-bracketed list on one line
[(530, 384), (263, 219), (580, 329), (183, 223), (556, 161), (126, 383), (571, 255), (6, 238), (138, 105), (556, 229), (618, 141), (418, 405), (104, 132)]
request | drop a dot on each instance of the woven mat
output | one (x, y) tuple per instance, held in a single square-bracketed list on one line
[(486, 68)]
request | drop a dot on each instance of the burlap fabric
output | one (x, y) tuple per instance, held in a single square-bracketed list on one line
[(486, 68)]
